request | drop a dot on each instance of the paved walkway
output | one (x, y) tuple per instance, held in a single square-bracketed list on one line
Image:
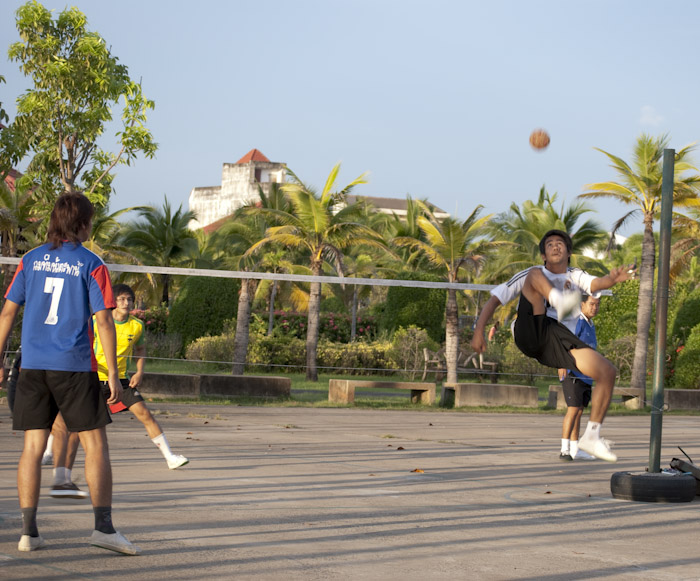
[(302, 493)]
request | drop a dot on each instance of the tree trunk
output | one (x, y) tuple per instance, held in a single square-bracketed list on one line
[(451, 335), (312, 328), (165, 298), (271, 316), (644, 305), (353, 315), (240, 341)]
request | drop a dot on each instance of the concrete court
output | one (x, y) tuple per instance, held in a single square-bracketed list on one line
[(303, 493)]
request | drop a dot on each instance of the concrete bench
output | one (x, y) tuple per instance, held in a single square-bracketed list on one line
[(172, 385), (682, 399), (488, 394), (343, 390), (632, 397)]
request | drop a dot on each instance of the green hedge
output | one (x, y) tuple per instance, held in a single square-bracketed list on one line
[(202, 306), (687, 369), (421, 307)]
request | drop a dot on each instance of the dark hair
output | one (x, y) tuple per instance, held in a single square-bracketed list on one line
[(123, 289), (563, 235), (71, 214)]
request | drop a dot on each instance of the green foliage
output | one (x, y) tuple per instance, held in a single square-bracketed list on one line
[(687, 370), (202, 307), (218, 348), (407, 348), (421, 307), (60, 120), (332, 326), (687, 316), (333, 305), (155, 319), (617, 316), (355, 358)]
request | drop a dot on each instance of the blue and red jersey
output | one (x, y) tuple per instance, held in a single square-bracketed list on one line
[(60, 288)]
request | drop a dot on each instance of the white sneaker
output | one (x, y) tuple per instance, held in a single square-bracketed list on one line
[(598, 447), (47, 460), (27, 543), (175, 461), (581, 455), (568, 304), (114, 542)]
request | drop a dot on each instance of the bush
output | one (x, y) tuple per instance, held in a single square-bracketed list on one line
[(269, 353), (687, 370), (421, 307), (332, 326), (363, 358), (202, 306), (163, 346), (687, 316), (617, 317), (219, 348), (407, 348), (155, 319)]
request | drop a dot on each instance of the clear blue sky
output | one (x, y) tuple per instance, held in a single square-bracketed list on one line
[(435, 99)]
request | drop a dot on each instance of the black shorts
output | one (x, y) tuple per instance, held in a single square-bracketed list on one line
[(577, 392), (42, 394), (130, 396), (545, 339)]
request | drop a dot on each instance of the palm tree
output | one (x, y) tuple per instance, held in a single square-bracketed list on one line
[(162, 238), (687, 245), (640, 186), (16, 226), (322, 226), (451, 246)]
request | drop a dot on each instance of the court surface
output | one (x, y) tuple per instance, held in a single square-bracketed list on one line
[(303, 493)]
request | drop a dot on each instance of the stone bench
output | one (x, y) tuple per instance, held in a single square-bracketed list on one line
[(488, 394), (682, 399), (172, 385), (632, 397), (343, 390)]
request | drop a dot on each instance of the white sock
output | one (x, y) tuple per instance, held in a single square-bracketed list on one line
[(60, 476), (162, 442), (49, 446), (574, 448), (592, 430), (564, 446)]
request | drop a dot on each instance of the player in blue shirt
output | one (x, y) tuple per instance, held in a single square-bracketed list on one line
[(61, 284), (576, 386)]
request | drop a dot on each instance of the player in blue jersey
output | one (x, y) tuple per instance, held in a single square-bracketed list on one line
[(576, 386), (61, 284)]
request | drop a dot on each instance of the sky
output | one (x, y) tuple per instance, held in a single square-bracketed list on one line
[(434, 99)]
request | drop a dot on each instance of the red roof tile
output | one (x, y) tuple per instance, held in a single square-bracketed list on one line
[(253, 155)]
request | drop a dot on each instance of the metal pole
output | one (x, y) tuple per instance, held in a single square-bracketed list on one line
[(657, 397)]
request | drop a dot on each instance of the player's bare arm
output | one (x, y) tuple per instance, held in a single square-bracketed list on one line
[(139, 356), (7, 320), (108, 339), (615, 276), (478, 342)]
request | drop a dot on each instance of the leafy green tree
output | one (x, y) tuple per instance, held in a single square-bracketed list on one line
[(640, 186), (322, 226), (455, 247), (77, 81), (162, 238)]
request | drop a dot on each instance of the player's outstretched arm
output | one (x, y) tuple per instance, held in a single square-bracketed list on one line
[(478, 342), (108, 340), (616, 275)]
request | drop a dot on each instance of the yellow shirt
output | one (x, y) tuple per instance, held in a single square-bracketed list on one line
[(129, 334)]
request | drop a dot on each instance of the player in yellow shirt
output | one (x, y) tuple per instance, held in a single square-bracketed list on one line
[(131, 343)]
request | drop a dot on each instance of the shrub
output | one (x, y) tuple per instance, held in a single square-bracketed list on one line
[(421, 307), (269, 353), (358, 358), (687, 370), (202, 306), (162, 345), (407, 348), (155, 319), (219, 348), (617, 316), (687, 316), (332, 326)]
